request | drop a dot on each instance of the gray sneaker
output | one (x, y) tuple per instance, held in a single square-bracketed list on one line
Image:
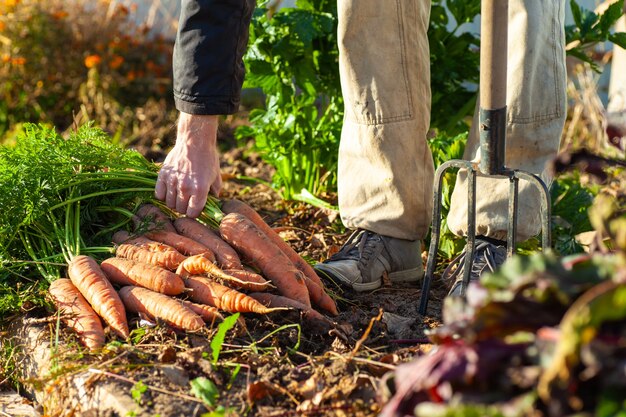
[(487, 257), (366, 256)]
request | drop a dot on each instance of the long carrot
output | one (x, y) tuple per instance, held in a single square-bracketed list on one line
[(183, 244), (226, 256), (209, 314), (130, 272), (206, 291), (249, 276), (250, 241), (142, 249), (313, 316), (77, 313), (200, 265), (161, 307), (157, 220), (93, 284), (318, 295)]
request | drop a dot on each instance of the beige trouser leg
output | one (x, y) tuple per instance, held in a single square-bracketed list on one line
[(385, 172), (617, 85), (536, 104)]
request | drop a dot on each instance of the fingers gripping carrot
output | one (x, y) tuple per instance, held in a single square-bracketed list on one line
[(318, 295), (183, 244), (252, 243), (129, 272), (160, 306), (158, 221), (206, 291), (120, 237), (201, 265), (93, 284), (226, 256), (77, 313), (148, 251)]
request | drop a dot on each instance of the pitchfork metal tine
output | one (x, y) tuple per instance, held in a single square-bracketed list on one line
[(514, 177), (492, 129), (435, 233)]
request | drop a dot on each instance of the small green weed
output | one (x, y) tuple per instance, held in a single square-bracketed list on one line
[(218, 340), (208, 392), (137, 391), (8, 363)]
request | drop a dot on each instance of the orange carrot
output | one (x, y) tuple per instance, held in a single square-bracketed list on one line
[(93, 284), (318, 295), (181, 243), (249, 276), (209, 314), (206, 291), (225, 255), (129, 272), (274, 300), (158, 221), (142, 249), (160, 307), (77, 313), (200, 265), (252, 243)]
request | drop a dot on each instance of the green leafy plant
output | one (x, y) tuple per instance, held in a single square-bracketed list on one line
[(293, 57), (443, 148), (454, 60), (591, 28), (570, 203)]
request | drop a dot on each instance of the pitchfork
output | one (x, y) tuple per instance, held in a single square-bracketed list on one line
[(492, 128)]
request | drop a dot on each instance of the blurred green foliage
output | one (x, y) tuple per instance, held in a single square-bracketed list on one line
[(63, 63)]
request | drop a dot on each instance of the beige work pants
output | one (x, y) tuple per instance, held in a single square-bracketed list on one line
[(385, 173)]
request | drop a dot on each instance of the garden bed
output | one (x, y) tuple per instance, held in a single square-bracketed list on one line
[(274, 365)]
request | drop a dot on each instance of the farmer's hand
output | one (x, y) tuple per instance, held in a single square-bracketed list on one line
[(191, 169)]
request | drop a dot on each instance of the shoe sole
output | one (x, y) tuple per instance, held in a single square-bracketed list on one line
[(338, 276), (407, 275)]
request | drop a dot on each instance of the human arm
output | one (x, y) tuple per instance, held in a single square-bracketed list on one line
[(208, 75), (191, 169)]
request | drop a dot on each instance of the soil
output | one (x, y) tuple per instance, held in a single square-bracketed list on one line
[(275, 365)]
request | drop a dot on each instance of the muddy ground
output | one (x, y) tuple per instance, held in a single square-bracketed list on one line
[(275, 365)]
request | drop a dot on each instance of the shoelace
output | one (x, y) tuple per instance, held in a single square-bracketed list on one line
[(359, 246), (486, 255)]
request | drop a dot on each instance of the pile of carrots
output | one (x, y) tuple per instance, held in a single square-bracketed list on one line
[(183, 273)]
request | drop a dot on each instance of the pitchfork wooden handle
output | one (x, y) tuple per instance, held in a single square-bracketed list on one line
[(493, 53)]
